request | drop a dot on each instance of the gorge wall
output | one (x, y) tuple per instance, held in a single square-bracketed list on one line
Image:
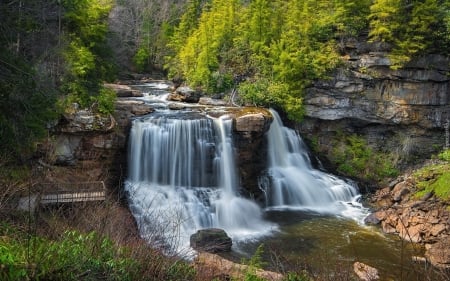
[(402, 112)]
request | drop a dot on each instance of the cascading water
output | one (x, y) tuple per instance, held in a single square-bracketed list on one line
[(182, 178), (293, 183)]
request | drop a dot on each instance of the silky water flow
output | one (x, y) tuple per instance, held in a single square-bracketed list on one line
[(182, 178)]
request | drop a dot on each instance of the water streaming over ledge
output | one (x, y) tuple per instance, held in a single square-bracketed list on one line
[(182, 178), (292, 182)]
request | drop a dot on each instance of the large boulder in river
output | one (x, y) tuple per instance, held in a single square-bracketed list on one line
[(185, 94), (211, 240)]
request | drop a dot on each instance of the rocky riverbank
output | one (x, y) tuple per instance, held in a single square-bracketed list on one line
[(421, 219)]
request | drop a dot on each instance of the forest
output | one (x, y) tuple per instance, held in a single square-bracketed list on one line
[(54, 53)]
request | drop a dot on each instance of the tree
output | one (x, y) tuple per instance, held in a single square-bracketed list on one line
[(87, 55)]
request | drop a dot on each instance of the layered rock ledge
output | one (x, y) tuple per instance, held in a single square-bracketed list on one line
[(400, 111)]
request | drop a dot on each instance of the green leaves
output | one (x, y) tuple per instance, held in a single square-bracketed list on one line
[(412, 27), (87, 54)]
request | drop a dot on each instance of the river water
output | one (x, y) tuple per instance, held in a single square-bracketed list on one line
[(182, 178)]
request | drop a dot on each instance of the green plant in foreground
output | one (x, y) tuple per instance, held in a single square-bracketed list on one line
[(73, 257)]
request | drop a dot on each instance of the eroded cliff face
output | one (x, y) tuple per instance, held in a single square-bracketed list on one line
[(397, 111)]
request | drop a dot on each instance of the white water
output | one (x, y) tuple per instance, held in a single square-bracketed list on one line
[(294, 184), (182, 178)]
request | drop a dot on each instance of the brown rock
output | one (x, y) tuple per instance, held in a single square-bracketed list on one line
[(400, 190), (387, 228), (123, 91), (413, 233), (219, 266), (439, 253), (184, 94), (365, 272), (255, 122), (212, 240), (437, 229)]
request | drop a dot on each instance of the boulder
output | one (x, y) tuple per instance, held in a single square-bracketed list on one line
[(185, 94), (254, 122), (217, 267), (123, 91), (211, 240), (439, 253), (365, 272), (400, 190)]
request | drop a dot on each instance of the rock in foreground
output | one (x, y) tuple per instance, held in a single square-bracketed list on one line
[(211, 240)]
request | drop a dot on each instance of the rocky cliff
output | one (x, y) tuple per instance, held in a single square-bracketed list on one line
[(402, 111)]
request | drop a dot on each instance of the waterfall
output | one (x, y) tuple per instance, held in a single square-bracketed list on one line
[(182, 177), (293, 183)]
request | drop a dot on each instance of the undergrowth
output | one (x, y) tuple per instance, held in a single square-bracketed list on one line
[(435, 178), (355, 158)]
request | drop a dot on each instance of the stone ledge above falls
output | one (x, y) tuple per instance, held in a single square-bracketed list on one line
[(370, 91)]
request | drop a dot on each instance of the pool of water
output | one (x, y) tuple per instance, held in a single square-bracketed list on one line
[(328, 246)]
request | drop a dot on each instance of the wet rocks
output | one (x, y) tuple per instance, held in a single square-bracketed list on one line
[(211, 240)]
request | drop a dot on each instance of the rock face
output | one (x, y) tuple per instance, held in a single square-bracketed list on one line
[(211, 240), (250, 127), (399, 111), (425, 220)]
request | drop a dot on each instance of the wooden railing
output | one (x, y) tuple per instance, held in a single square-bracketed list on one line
[(55, 193)]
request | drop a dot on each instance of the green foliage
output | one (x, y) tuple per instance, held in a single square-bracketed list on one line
[(434, 179), (141, 58), (26, 106), (106, 99), (87, 55), (81, 256), (74, 256), (255, 263), (294, 42), (354, 158), (445, 155), (264, 92), (412, 28)]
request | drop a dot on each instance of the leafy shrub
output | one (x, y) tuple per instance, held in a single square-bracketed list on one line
[(264, 92), (106, 99), (354, 158), (141, 57), (434, 179), (445, 155)]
